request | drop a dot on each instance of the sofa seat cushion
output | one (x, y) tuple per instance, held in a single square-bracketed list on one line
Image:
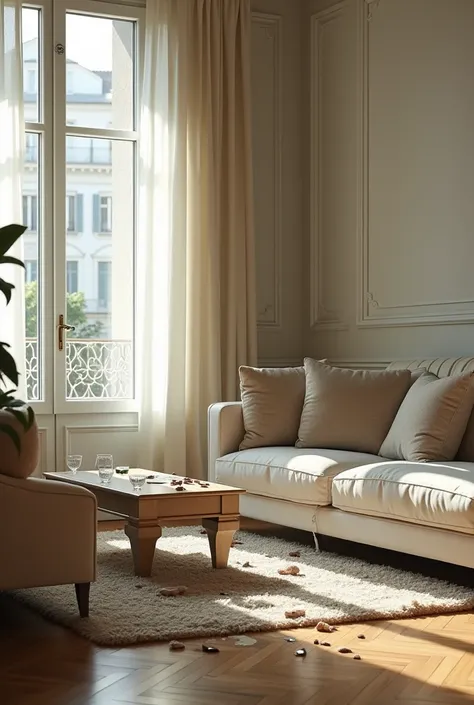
[(295, 474), (432, 494)]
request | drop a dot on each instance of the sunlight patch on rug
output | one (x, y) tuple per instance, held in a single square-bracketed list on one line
[(125, 609)]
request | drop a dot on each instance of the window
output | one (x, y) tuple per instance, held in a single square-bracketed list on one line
[(30, 212), (31, 81), (72, 276), (31, 270), (102, 214), (103, 284), (74, 213), (31, 147)]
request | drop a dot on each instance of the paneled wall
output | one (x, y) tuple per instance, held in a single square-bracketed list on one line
[(390, 167), (277, 146)]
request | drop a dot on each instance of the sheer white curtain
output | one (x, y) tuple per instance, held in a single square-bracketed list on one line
[(196, 297), (12, 318)]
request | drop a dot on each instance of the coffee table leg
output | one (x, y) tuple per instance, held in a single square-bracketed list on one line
[(220, 533), (142, 541)]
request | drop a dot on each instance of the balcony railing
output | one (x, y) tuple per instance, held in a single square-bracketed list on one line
[(95, 369)]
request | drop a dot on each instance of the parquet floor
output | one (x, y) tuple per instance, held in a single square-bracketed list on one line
[(409, 662)]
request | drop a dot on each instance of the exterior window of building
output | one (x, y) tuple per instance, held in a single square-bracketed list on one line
[(102, 208), (72, 276), (30, 212), (104, 283), (31, 81), (31, 270), (31, 147), (74, 213)]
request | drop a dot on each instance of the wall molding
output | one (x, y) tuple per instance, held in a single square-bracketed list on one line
[(356, 364), (321, 316), (371, 310), (270, 315), (43, 444), (280, 362), (91, 428)]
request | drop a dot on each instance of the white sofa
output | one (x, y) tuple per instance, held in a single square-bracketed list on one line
[(424, 509)]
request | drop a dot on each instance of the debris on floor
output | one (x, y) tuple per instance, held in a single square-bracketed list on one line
[(361, 636), (290, 570), (246, 565), (324, 643), (294, 554), (176, 646), (316, 641), (344, 650), (294, 614), (300, 652), (203, 531), (356, 657), (173, 591), (290, 638), (210, 649), (325, 627), (244, 640)]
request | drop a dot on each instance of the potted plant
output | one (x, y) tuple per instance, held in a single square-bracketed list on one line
[(18, 430)]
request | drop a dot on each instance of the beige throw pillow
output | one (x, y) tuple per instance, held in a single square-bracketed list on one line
[(349, 409), (272, 399), (432, 419)]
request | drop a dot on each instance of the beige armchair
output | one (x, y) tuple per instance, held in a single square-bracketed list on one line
[(47, 536)]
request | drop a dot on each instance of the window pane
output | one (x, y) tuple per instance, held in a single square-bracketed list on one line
[(31, 244), (100, 283), (31, 82), (100, 72)]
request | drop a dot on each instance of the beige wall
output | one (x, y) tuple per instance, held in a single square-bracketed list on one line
[(277, 143), (390, 246)]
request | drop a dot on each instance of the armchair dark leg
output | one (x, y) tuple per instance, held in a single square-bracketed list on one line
[(82, 596)]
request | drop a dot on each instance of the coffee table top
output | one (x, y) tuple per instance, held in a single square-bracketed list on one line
[(120, 484)]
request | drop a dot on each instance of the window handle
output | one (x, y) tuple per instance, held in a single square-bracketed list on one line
[(62, 327)]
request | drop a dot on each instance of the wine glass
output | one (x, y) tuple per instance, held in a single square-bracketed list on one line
[(137, 479), (105, 465), (74, 463)]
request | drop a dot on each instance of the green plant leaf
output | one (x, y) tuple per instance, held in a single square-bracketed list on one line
[(7, 364), (9, 431), (6, 288), (12, 260), (9, 234)]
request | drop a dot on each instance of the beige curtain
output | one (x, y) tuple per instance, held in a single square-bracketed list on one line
[(196, 305)]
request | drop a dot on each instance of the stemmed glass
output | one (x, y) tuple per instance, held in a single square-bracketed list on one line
[(137, 479), (105, 465), (74, 463)]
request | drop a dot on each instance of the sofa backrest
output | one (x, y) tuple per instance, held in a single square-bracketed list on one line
[(440, 366)]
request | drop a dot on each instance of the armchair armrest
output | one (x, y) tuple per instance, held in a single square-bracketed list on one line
[(225, 432), (48, 533)]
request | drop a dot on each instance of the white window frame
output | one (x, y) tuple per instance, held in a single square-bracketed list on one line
[(113, 11)]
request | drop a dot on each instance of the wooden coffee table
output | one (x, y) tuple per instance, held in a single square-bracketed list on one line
[(216, 507)]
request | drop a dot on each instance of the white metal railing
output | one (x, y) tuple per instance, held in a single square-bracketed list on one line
[(95, 369)]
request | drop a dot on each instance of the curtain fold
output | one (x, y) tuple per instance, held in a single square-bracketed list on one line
[(196, 260), (12, 318)]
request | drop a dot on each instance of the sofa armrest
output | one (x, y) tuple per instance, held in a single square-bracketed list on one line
[(48, 533), (225, 432)]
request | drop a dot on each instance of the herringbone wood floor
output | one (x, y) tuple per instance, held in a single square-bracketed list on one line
[(410, 662)]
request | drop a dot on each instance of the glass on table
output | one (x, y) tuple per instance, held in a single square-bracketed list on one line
[(137, 479), (105, 465), (74, 462)]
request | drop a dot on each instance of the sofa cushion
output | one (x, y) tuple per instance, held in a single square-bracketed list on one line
[(349, 409), (432, 419), (434, 494), (272, 400), (296, 475)]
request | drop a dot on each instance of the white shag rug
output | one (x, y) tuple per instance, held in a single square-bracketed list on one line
[(125, 609)]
